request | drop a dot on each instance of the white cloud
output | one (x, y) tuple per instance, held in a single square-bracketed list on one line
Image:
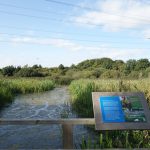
[(119, 53), (103, 50), (81, 52), (60, 43), (117, 14), (56, 42), (146, 34)]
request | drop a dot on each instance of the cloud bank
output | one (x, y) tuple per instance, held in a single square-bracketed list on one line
[(114, 15), (103, 50)]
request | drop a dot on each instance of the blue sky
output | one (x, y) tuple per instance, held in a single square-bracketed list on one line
[(48, 33)]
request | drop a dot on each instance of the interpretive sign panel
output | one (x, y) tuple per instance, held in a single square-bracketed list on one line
[(120, 111)]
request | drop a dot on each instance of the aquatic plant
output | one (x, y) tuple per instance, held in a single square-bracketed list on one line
[(11, 87), (81, 91)]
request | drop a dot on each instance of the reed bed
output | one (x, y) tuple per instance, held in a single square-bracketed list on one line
[(11, 87), (82, 103), (81, 91)]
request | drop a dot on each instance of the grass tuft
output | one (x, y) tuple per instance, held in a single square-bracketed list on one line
[(11, 87)]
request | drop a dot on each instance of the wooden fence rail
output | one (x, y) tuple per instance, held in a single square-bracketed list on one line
[(67, 126)]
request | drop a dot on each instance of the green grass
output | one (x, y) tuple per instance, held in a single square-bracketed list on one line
[(5, 96), (118, 139), (81, 91), (11, 87), (82, 103)]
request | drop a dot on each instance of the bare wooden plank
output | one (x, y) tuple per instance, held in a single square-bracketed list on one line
[(87, 121), (67, 136)]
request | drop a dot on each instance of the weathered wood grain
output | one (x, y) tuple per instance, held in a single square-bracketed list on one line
[(86, 121)]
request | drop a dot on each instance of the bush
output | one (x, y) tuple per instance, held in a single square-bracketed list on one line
[(29, 72), (62, 80), (8, 71), (114, 74)]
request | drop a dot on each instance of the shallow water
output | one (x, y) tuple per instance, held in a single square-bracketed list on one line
[(48, 105)]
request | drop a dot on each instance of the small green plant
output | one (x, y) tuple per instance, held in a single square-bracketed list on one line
[(86, 144)]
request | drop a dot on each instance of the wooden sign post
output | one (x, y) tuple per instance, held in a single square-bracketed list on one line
[(120, 111)]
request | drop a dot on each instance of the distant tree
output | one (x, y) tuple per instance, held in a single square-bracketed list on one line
[(61, 67), (85, 64), (130, 66), (118, 65), (26, 66), (73, 66), (29, 72), (111, 74), (8, 71), (107, 63), (40, 66), (97, 72), (142, 64), (18, 69), (36, 66)]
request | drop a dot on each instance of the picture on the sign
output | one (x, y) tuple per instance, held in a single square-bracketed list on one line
[(121, 109), (133, 109)]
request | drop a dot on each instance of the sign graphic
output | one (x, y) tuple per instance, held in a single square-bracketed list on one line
[(122, 109)]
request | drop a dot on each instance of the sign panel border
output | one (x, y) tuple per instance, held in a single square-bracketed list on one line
[(100, 125)]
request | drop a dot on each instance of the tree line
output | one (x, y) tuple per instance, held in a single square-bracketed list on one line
[(94, 68)]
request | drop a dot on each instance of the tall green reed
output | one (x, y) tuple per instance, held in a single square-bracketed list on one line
[(11, 87)]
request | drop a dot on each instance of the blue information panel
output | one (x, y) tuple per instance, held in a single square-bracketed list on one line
[(120, 111), (111, 108)]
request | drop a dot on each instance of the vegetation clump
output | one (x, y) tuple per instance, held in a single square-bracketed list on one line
[(11, 87), (102, 68)]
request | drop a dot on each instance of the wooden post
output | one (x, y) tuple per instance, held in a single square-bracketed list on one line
[(67, 136)]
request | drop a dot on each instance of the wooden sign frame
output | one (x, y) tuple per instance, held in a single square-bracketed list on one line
[(101, 125)]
